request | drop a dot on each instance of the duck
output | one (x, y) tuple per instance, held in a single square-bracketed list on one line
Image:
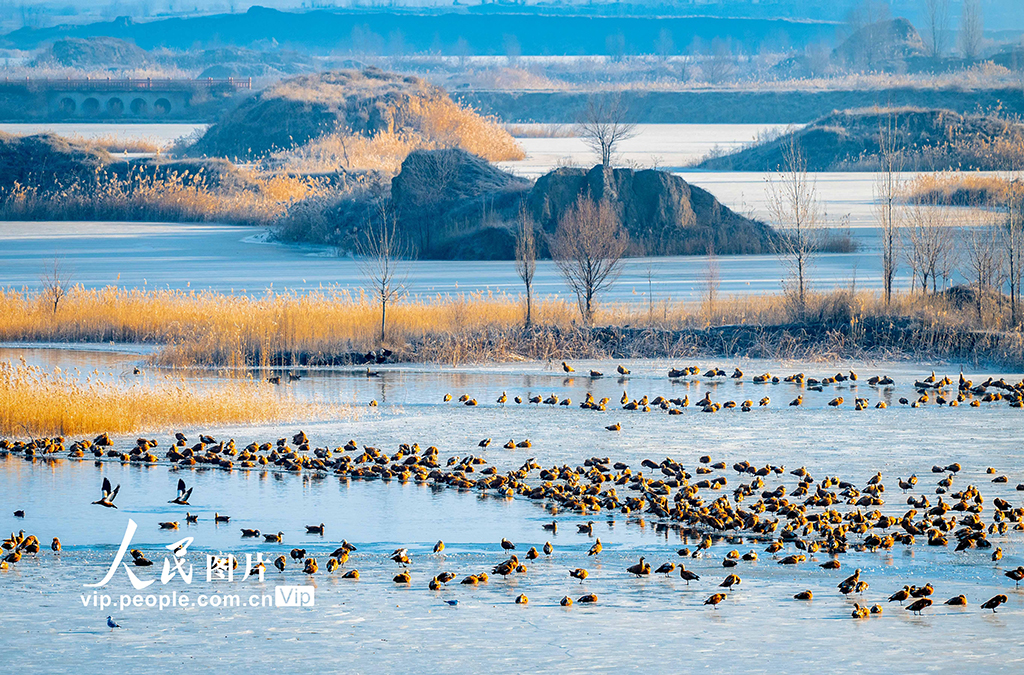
[(502, 399), (918, 605), (589, 598), (900, 595), (730, 581), (688, 576), (548, 548), (640, 569), (586, 528), (107, 495), (1016, 575), (507, 545), (55, 545), (551, 527), (715, 599), (804, 595), (280, 563), (439, 546), (297, 553), (400, 556), (332, 565), (994, 602), (311, 566), (351, 574), (621, 370), (567, 368), (315, 529), (171, 525), (521, 599), (566, 601), (957, 601), (614, 427), (217, 518), (402, 577), (579, 573), (183, 494), (484, 443), (596, 548), (191, 519), (250, 533), (274, 538), (859, 612)]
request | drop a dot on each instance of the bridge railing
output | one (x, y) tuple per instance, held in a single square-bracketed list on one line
[(126, 84)]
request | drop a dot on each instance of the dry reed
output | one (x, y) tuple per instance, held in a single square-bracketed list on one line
[(34, 402), (328, 326)]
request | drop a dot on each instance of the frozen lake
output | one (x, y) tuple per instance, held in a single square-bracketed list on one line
[(378, 625)]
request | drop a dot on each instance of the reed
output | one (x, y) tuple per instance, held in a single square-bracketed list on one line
[(35, 402), (333, 326)]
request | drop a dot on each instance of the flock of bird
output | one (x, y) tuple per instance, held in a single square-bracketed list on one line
[(829, 515)]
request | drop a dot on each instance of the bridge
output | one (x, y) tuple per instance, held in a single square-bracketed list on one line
[(129, 98)]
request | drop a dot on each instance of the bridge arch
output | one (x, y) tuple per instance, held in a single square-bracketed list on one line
[(115, 106), (162, 106), (68, 106), (139, 107), (91, 106)]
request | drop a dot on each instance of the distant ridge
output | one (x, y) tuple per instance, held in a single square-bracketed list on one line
[(481, 33)]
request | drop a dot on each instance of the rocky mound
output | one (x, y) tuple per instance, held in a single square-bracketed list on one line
[(663, 214), (97, 52), (451, 204), (881, 46), (51, 162), (49, 159), (933, 140), (295, 111)]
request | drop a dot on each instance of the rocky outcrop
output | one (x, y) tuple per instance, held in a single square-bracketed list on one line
[(663, 214)]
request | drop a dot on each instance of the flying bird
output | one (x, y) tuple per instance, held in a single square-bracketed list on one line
[(183, 494), (108, 495)]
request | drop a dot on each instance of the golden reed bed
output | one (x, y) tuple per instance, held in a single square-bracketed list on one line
[(34, 402)]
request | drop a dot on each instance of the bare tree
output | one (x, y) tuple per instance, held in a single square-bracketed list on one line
[(931, 243), (513, 51), (1013, 241), (937, 17), (971, 29), (983, 262), (526, 256), (587, 248), (664, 45), (710, 300), (719, 65), (888, 189), (382, 254), (793, 206), (604, 125), (56, 282)]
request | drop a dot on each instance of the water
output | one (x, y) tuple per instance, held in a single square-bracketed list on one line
[(650, 624)]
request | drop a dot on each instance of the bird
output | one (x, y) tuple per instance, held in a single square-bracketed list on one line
[(900, 595), (217, 518), (111, 624), (401, 556), (622, 370), (108, 497), (579, 573), (997, 554), (548, 548), (565, 601), (859, 612), (507, 545), (994, 602), (183, 494), (804, 595), (521, 599), (439, 546), (402, 577), (957, 601), (55, 545), (586, 528), (666, 568), (596, 548), (551, 527), (19, 513), (453, 603), (919, 605), (274, 538), (640, 569), (1017, 575), (351, 574), (484, 443), (173, 525), (589, 598), (502, 399), (715, 599), (190, 518), (730, 581), (315, 529), (280, 563), (332, 565), (567, 368), (688, 576), (250, 533), (614, 427), (311, 566)]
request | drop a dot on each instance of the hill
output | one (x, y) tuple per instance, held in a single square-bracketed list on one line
[(933, 140), (351, 104)]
